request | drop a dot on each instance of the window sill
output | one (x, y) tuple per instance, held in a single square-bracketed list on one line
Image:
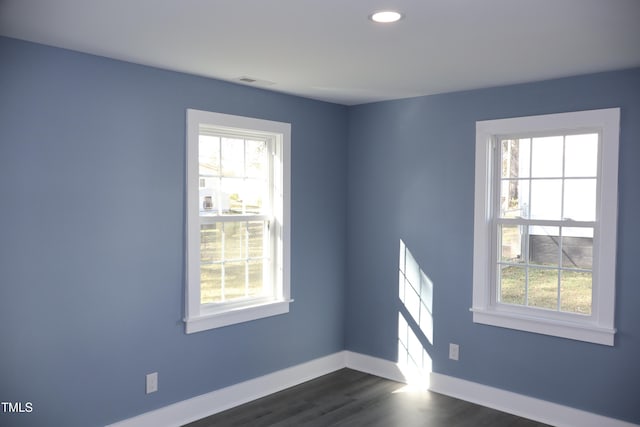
[(558, 328), (236, 315)]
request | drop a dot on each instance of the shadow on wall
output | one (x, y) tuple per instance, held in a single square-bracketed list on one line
[(415, 320)]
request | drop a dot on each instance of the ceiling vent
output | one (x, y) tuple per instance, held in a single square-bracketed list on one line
[(252, 81)]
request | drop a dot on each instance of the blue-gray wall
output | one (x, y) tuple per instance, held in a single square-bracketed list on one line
[(92, 155), (411, 177), (91, 238)]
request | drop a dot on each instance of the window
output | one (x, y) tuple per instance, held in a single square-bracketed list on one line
[(237, 219), (545, 224)]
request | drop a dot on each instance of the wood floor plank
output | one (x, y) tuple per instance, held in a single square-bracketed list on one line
[(351, 398)]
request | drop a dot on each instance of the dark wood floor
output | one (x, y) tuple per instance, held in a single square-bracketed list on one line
[(352, 398)]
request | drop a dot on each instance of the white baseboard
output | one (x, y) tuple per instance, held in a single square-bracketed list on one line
[(491, 397), (386, 369), (374, 366), (202, 406), (521, 405)]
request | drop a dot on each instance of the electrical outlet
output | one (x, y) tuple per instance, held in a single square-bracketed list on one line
[(454, 351), (152, 382)]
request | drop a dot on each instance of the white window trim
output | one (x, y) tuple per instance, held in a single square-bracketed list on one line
[(599, 326), (198, 318)]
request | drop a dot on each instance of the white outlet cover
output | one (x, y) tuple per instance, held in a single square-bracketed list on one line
[(152, 382), (454, 351)]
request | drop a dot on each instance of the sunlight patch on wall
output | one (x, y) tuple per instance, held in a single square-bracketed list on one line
[(415, 322)]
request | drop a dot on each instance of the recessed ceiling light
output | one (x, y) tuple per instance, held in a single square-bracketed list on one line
[(385, 16)]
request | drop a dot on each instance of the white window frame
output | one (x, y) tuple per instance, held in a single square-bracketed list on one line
[(200, 317), (597, 327)]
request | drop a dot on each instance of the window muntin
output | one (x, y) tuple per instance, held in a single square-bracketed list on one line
[(545, 229), (237, 219), (234, 173), (235, 253), (547, 205)]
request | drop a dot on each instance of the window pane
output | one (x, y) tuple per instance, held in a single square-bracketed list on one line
[(576, 292), (256, 163), (524, 155), (210, 283), (546, 199), (231, 191), (257, 230), (577, 248), (543, 288), (210, 267), (511, 243), (544, 245), (232, 157), (546, 157), (514, 197), (210, 243), (580, 199), (514, 191), (581, 155), (234, 280), (209, 155), (253, 195), (512, 284), (235, 240), (209, 204), (515, 158), (256, 278), (243, 196)]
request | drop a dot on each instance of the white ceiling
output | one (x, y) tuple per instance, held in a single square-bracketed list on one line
[(329, 50)]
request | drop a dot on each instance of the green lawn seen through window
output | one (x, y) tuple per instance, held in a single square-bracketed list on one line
[(575, 289)]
